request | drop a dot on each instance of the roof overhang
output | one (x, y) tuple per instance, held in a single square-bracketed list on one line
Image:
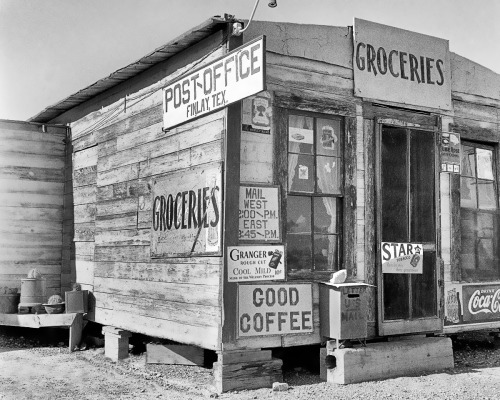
[(162, 53)]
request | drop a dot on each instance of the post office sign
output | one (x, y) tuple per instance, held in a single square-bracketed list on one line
[(238, 74)]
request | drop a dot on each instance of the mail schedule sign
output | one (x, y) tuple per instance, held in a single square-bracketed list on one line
[(237, 75), (400, 66)]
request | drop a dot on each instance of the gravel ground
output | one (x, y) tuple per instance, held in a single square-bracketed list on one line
[(36, 364)]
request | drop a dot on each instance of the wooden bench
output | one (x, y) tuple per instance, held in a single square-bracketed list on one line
[(74, 321)]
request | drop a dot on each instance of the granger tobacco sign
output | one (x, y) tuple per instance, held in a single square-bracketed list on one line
[(256, 263), (400, 66), (237, 75), (259, 213), (187, 207), (402, 258), (274, 309)]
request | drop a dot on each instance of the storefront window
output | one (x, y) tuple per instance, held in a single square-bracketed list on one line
[(314, 193), (479, 214)]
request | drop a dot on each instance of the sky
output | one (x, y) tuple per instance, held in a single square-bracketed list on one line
[(50, 49)]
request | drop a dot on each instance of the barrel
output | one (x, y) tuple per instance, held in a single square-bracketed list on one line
[(33, 291), (9, 303)]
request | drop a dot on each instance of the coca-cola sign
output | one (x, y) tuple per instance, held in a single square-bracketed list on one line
[(481, 303)]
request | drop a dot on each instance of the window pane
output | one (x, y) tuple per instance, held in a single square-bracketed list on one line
[(468, 193), (300, 134), (468, 161), (300, 173), (299, 252), (327, 137), (396, 289), (422, 186), (298, 214), (325, 215), (394, 185), (468, 239), (487, 200), (328, 175), (325, 252), (484, 164), (423, 304)]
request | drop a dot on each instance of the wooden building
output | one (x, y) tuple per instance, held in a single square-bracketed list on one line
[(211, 220)]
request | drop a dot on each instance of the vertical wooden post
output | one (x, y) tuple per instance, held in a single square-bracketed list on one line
[(232, 150)]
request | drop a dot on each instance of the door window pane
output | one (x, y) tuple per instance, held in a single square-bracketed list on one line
[(468, 195), (484, 164), (394, 185), (468, 161), (486, 195)]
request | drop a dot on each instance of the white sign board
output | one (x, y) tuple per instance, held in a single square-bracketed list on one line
[(274, 309), (402, 258), (256, 263), (187, 212), (259, 213), (400, 66), (238, 74)]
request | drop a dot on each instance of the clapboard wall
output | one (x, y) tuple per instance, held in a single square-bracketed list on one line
[(32, 161), (118, 151)]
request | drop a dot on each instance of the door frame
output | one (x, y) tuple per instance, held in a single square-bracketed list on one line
[(419, 325)]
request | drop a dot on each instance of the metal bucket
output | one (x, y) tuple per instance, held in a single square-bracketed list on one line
[(33, 291), (9, 303)]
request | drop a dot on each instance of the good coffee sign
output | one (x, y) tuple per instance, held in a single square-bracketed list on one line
[(400, 66), (481, 303), (237, 75)]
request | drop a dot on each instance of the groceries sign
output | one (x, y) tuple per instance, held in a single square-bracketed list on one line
[(400, 66), (237, 75), (187, 212)]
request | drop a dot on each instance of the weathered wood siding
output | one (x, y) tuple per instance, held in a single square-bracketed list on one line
[(118, 151), (32, 160)]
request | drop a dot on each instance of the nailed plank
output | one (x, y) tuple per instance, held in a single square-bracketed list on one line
[(203, 273), (191, 314), (123, 237), (32, 174), (120, 174), (116, 221), (84, 194), (30, 214), (85, 176), (23, 147), (31, 160), (206, 337), (84, 232), (176, 292), (123, 253), (174, 143), (121, 190), (31, 227), (184, 159), (120, 206), (85, 213), (85, 158)]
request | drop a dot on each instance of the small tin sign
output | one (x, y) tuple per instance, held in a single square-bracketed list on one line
[(402, 258), (256, 263), (450, 152)]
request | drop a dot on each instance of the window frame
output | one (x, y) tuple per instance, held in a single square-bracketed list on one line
[(476, 274), (339, 197)]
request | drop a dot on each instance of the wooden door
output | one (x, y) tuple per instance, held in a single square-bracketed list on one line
[(406, 189)]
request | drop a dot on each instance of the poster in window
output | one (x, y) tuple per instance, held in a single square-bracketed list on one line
[(450, 152)]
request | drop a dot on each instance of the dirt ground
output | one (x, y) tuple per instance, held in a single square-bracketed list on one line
[(36, 364)]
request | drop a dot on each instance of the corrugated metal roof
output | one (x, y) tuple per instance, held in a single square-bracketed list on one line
[(162, 53)]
